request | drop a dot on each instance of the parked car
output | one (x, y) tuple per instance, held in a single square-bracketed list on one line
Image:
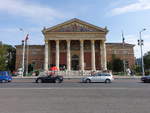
[(49, 79), (5, 76), (98, 77), (145, 79)]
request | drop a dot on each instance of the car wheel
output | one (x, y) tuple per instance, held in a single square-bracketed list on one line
[(88, 81), (107, 81), (57, 81), (39, 81)]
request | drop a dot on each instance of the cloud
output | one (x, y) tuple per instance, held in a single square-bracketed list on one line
[(133, 40), (14, 36), (31, 11), (138, 6)]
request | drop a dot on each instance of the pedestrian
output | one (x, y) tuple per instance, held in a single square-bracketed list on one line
[(132, 72), (128, 71)]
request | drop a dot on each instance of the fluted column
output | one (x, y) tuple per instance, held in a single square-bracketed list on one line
[(81, 55), (57, 54), (49, 53), (103, 55), (93, 54), (68, 55), (46, 55)]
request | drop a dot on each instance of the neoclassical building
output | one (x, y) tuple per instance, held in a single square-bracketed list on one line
[(75, 45), (79, 44)]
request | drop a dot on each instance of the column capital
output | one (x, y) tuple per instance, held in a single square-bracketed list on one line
[(93, 41), (102, 41), (81, 41), (46, 41), (57, 41), (68, 40)]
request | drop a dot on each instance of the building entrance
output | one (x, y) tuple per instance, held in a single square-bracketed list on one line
[(75, 62)]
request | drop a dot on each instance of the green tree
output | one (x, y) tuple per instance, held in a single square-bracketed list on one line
[(116, 65), (7, 57), (147, 60), (2, 58), (11, 57), (109, 66)]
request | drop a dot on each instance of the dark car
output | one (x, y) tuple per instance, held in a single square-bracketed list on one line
[(49, 79), (145, 79)]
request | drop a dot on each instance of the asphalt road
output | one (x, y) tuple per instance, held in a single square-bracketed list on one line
[(121, 96)]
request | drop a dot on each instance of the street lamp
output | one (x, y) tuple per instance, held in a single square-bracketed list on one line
[(140, 43), (23, 55)]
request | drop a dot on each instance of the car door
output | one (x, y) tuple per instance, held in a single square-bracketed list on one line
[(103, 77), (93, 78), (100, 77), (47, 79), (97, 77)]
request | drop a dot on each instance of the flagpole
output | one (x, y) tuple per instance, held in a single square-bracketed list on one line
[(27, 57), (26, 54), (124, 64), (23, 56)]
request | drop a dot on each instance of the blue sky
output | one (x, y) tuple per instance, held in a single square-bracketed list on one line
[(129, 16)]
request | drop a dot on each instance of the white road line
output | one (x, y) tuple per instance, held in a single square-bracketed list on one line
[(71, 88)]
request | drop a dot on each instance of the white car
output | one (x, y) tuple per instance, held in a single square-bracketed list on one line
[(98, 77)]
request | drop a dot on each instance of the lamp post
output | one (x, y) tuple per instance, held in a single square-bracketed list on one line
[(23, 54), (140, 43)]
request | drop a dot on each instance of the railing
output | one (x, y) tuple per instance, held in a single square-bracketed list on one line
[(70, 74)]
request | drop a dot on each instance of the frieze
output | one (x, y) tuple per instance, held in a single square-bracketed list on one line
[(75, 27)]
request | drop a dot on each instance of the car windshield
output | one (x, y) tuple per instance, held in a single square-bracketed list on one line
[(3, 73)]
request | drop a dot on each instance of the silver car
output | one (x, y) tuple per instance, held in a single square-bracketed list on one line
[(98, 77)]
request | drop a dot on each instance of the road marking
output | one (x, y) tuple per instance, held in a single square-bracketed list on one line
[(73, 88)]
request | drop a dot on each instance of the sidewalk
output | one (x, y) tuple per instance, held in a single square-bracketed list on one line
[(78, 77), (127, 77)]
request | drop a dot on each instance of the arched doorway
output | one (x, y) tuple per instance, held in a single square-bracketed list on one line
[(75, 62)]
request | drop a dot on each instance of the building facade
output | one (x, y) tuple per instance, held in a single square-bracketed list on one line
[(75, 45)]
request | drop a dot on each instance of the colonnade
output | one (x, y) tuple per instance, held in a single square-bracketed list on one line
[(102, 54)]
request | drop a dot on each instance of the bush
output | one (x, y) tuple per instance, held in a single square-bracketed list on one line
[(36, 72)]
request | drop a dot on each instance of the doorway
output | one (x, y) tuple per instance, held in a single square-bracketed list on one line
[(75, 62)]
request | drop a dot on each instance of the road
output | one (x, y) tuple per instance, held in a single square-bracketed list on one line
[(121, 96)]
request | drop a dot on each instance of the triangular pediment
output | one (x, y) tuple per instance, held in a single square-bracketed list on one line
[(75, 25)]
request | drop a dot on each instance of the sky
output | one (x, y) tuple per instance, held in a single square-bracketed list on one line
[(127, 16)]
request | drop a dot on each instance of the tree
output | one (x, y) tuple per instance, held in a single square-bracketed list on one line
[(2, 58), (116, 64), (7, 57), (147, 60), (11, 57)]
